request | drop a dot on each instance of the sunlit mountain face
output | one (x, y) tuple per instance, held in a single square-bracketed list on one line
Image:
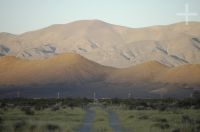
[(108, 44), (65, 58), (81, 57)]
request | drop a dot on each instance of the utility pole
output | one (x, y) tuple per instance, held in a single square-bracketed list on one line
[(132, 91), (58, 95), (191, 98), (129, 95), (94, 97)]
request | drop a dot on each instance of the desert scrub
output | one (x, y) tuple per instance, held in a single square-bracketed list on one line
[(101, 121), (66, 119), (181, 120)]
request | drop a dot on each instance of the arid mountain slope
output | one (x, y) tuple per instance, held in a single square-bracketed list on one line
[(72, 72), (57, 69), (145, 72), (186, 74), (108, 44)]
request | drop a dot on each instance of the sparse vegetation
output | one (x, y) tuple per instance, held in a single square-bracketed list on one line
[(182, 120), (28, 115), (60, 120), (135, 115), (101, 122)]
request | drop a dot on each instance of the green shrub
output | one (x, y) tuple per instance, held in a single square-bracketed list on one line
[(52, 127), (143, 117), (19, 125), (176, 130), (1, 120), (187, 119), (28, 110), (162, 125), (131, 116), (1, 127), (33, 127), (162, 120), (55, 108)]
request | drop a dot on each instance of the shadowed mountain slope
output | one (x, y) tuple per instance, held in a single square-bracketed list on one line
[(77, 76)]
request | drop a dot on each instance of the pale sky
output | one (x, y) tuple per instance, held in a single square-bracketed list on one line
[(18, 16)]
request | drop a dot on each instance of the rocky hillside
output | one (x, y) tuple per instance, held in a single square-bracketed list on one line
[(108, 44)]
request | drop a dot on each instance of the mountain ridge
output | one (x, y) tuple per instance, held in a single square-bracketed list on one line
[(108, 44)]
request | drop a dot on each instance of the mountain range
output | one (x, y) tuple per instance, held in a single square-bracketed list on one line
[(109, 45), (87, 56), (74, 75)]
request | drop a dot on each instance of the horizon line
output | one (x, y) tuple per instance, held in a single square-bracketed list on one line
[(156, 25)]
